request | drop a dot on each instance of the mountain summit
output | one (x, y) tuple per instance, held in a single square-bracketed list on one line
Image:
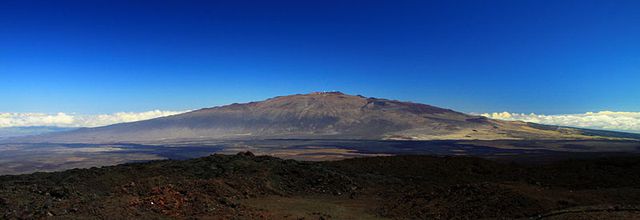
[(319, 115)]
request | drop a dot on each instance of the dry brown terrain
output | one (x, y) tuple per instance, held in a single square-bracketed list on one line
[(331, 115), (397, 187)]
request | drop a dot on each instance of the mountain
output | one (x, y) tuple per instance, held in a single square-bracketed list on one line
[(319, 115)]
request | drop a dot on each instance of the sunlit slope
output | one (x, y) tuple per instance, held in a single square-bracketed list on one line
[(322, 115)]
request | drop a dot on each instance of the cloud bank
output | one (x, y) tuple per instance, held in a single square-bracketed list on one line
[(73, 120), (605, 120)]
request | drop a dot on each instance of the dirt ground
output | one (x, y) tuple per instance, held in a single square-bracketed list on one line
[(245, 186)]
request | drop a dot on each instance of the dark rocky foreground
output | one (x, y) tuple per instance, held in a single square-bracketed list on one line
[(244, 186)]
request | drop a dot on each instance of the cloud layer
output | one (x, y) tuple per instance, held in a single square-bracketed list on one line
[(73, 120), (606, 120)]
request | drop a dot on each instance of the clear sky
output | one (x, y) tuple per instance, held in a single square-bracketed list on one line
[(547, 57)]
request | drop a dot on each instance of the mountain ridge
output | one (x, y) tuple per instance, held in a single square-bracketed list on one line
[(322, 115)]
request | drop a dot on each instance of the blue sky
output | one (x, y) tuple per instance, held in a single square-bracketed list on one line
[(93, 57)]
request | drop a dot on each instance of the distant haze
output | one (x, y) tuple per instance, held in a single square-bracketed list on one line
[(8, 132)]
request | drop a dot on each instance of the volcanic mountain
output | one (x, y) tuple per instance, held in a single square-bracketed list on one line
[(320, 115)]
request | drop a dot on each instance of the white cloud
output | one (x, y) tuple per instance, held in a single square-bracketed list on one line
[(606, 120), (73, 120)]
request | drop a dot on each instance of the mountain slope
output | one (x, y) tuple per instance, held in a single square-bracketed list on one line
[(318, 115)]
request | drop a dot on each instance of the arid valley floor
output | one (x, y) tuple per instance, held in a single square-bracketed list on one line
[(21, 158)]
